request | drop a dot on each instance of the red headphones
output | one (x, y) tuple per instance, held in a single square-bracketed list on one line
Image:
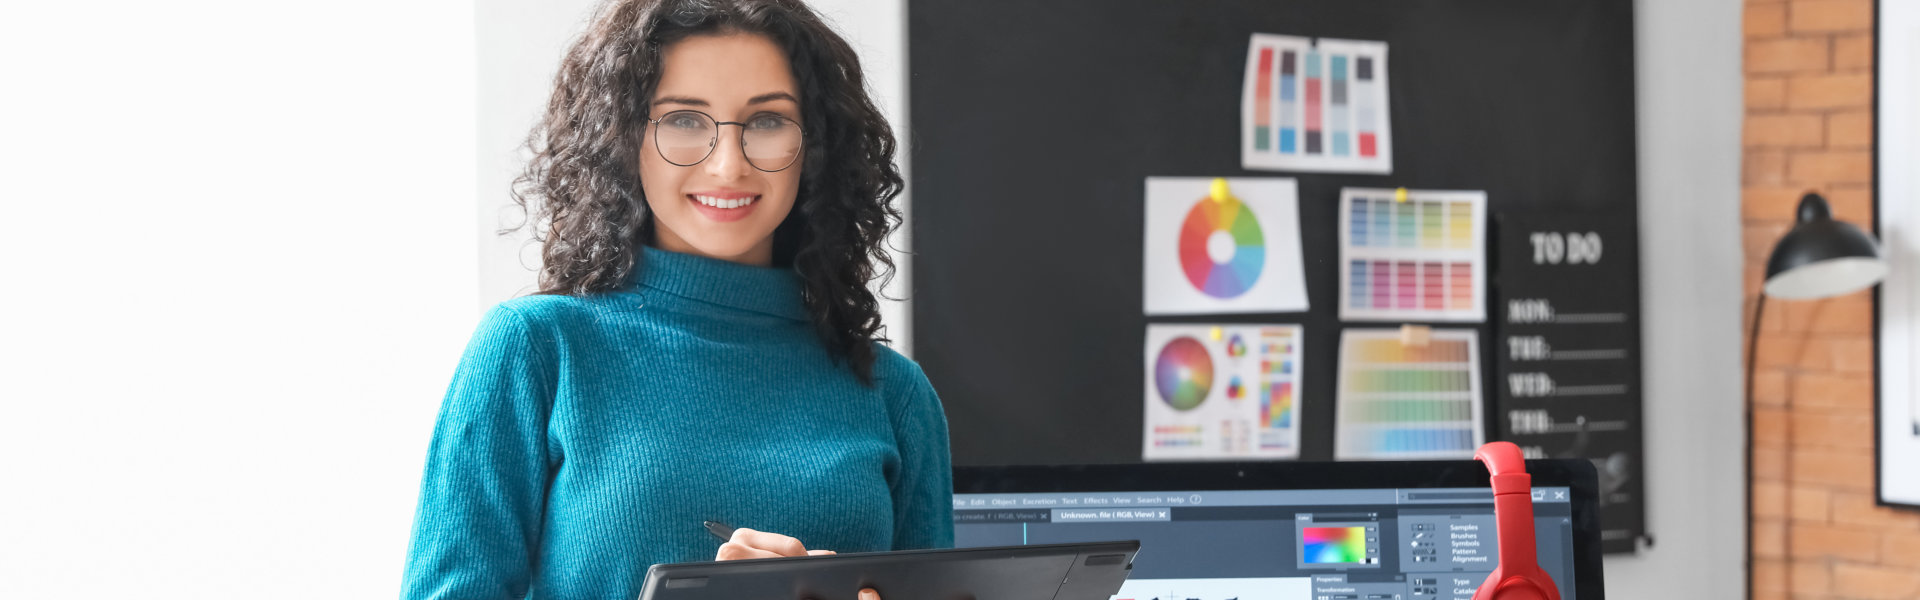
[(1519, 576)]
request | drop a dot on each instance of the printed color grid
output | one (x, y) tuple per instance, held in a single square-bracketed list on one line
[(1399, 401), (1316, 105), (1418, 259)]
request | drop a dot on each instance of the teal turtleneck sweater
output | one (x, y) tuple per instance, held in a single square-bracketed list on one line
[(586, 438)]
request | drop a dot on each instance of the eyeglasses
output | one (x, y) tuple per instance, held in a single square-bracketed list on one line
[(686, 137)]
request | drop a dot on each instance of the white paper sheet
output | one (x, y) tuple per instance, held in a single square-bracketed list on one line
[(1408, 402), (1208, 257), (1315, 105), (1222, 391), (1423, 259)]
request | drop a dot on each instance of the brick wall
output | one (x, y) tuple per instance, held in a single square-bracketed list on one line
[(1809, 126)]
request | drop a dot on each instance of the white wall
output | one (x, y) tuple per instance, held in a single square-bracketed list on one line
[(1689, 88), (238, 274)]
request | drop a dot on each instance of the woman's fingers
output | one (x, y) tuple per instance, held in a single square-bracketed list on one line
[(869, 594), (739, 551), (819, 552), (779, 545)]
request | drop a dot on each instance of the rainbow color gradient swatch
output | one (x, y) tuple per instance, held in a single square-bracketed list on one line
[(1333, 545), (1216, 230), (1184, 373), (1398, 401)]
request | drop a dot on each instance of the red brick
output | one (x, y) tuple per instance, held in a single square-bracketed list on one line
[(1850, 129), (1851, 355), (1834, 392), (1772, 204), (1853, 53), (1804, 130), (1846, 90), (1787, 55), (1769, 538), (1769, 427), (1858, 508), (1769, 464), (1827, 541), (1852, 203), (1766, 93), (1830, 15), (1832, 431), (1770, 387), (1769, 576), (1837, 468), (1900, 550), (1764, 167), (1769, 499), (1810, 504), (1795, 350), (1835, 166), (1876, 582), (1763, 20), (1809, 577)]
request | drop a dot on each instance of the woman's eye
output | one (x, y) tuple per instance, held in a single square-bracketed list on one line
[(767, 122), (683, 122)]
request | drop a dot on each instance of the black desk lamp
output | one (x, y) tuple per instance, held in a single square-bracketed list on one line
[(1818, 258)]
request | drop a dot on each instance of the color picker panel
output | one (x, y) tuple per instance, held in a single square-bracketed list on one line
[(1333, 545)]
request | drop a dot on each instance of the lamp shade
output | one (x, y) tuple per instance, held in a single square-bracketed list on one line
[(1821, 257)]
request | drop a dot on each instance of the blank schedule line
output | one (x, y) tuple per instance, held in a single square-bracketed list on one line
[(1589, 354), (1590, 390), (1582, 318)]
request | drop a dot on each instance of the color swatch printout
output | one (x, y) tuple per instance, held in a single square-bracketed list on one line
[(1315, 105), (1397, 401), (1417, 258), (1222, 391), (1240, 254)]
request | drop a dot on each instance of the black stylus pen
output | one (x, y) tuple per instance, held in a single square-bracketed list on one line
[(720, 530)]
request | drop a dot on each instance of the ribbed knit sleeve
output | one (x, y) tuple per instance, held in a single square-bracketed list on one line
[(923, 494), (477, 531)]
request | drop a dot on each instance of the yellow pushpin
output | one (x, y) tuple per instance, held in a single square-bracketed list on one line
[(1216, 331), (1219, 191), (1400, 195)]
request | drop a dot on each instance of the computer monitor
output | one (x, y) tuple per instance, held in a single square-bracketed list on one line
[(1289, 530)]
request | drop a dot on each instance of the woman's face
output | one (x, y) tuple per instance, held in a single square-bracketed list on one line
[(723, 206)]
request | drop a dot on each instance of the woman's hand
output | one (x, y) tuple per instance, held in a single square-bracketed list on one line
[(747, 543)]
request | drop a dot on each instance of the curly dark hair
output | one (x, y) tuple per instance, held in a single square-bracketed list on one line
[(583, 186)]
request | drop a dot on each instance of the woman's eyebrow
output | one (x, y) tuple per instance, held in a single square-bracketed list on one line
[(680, 100), (772, 96)]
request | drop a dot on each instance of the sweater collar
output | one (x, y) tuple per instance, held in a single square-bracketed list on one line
[(767, 290)]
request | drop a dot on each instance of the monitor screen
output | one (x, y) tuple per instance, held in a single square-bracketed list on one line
[(1375, 543)]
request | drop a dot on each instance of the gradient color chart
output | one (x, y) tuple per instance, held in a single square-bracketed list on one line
[(1315, 104), (1333, 545), (1222, 249), (1417, 259), (1408, 402), (1222, 391)]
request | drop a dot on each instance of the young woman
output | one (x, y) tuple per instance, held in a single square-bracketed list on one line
[(712, 185)]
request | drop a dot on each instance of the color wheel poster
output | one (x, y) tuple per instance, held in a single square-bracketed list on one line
[(1222, 391), (1397, 401), (1240, 254), (1412, 255), (1315, 105)]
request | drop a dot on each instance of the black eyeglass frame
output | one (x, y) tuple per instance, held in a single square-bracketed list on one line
[(714, 142)]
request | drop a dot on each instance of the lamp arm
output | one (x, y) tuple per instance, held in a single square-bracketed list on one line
[(1753, 356)]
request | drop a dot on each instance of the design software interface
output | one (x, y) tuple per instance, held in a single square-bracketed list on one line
[(1360, 544)]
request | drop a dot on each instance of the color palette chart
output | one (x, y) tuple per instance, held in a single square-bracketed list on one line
[(1412, 255), (1399, 401), (1312, 104), (1333, 545), (1239, 253), (1222, 391)]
